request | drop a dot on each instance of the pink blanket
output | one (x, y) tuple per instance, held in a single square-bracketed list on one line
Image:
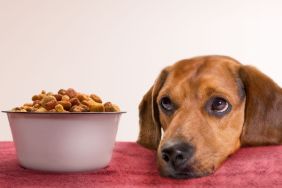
[(134, 166)]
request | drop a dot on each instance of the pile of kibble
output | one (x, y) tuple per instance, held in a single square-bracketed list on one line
[(67, 101)]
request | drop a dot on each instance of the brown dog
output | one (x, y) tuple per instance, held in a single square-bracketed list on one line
[(208, 107)]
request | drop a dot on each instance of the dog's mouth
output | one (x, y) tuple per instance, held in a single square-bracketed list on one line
[(184, 175), (181, 175), (187, 173)]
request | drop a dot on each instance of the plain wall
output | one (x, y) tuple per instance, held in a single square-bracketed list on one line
[(116, 49)]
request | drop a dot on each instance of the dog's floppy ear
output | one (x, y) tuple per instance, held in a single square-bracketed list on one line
[(149, 123), (263, 122)]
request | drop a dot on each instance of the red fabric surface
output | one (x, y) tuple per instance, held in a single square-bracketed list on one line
[(135, 166)]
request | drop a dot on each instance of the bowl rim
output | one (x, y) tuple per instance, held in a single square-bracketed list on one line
[(11, 112)]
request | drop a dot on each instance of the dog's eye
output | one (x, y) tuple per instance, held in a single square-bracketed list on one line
[(166, 104), (218, 106)]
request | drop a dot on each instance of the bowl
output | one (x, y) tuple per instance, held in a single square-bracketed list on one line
[(64, 142)]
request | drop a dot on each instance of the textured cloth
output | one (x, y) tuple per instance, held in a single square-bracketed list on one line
[(135, 166)]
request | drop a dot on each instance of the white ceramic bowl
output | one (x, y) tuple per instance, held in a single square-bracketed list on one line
[(64, 142)]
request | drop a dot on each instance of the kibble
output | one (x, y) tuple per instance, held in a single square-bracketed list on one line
[(66, 100)]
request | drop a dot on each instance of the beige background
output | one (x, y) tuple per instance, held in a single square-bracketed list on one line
[(116, 48)]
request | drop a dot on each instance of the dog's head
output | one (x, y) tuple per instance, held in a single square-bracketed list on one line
[(207, 108)]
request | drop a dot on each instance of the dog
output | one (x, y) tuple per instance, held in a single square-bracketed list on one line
[(201, 110)]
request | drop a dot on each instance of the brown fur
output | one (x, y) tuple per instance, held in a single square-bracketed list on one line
[(255, 118)]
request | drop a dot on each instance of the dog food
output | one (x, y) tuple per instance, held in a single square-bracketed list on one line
[(67, 101)]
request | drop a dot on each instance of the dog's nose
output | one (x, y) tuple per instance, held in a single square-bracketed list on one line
[(176, 154)]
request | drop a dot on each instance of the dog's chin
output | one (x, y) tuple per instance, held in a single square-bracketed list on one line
[(184, 174)]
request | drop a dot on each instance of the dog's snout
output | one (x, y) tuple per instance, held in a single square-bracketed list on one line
[(177, 154)]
